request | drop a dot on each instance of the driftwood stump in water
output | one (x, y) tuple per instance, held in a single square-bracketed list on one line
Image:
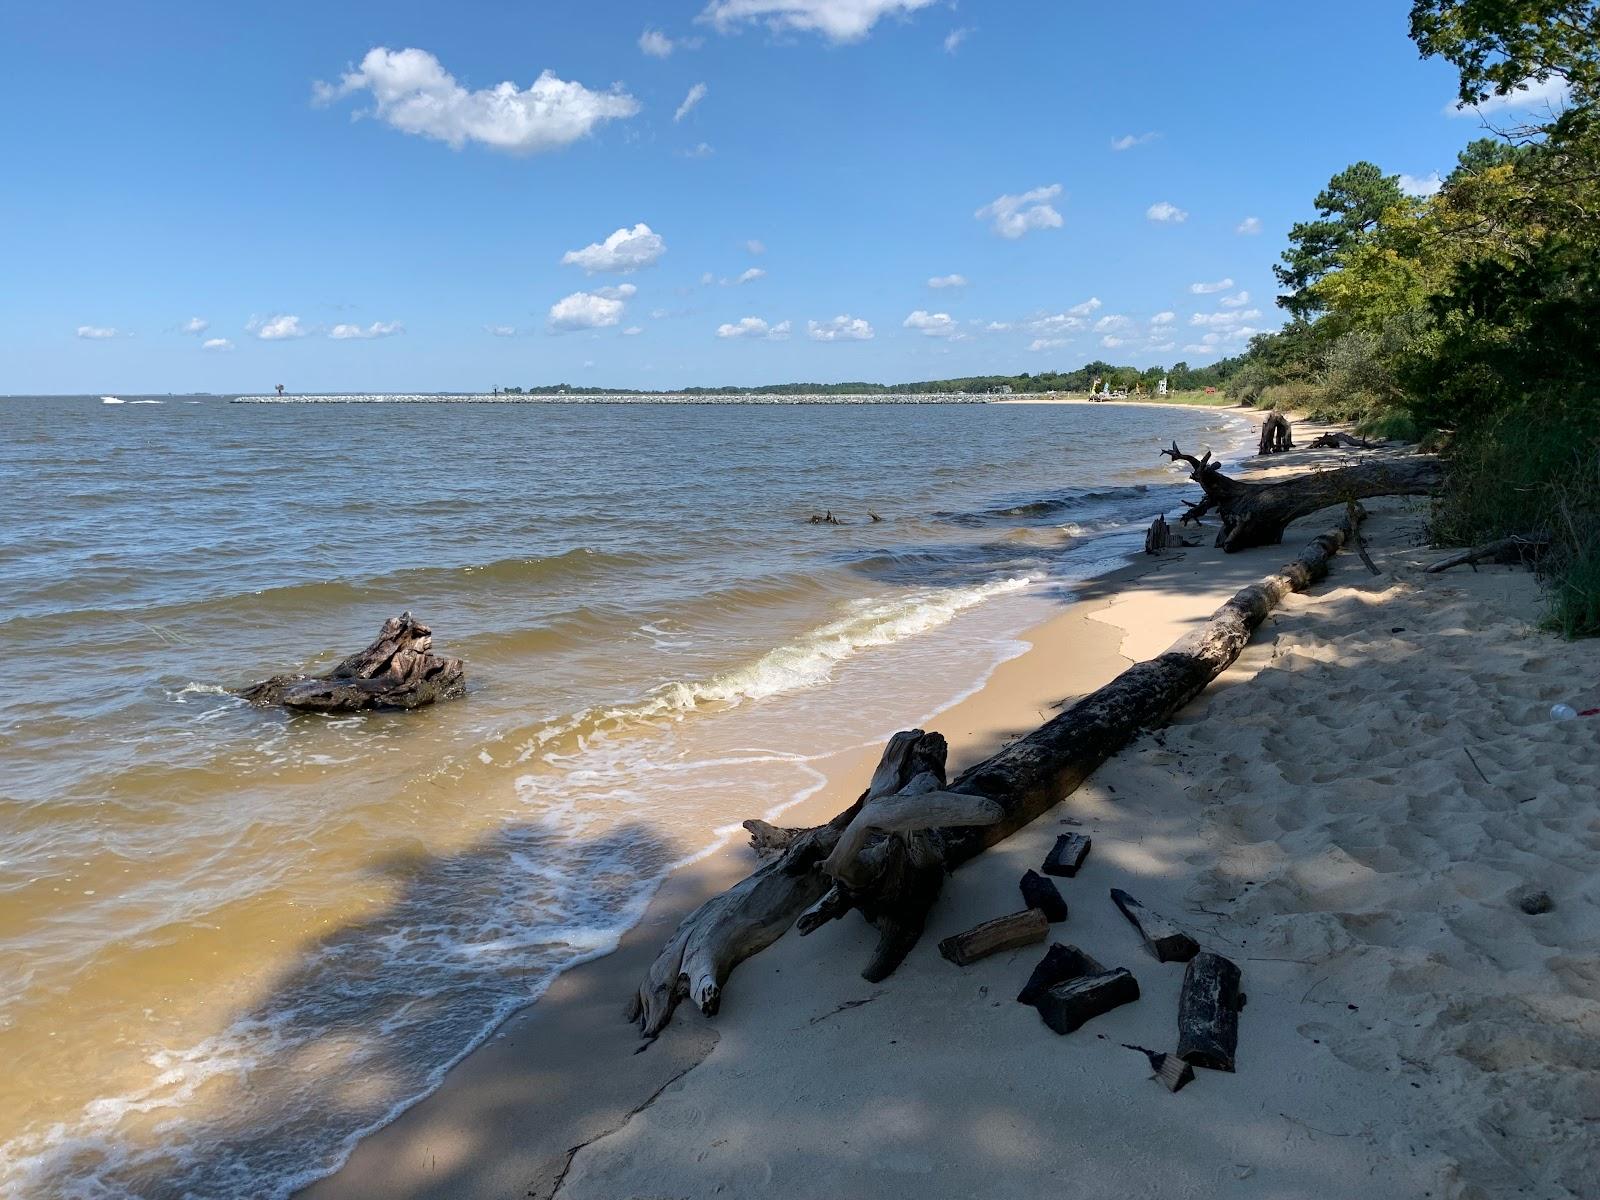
[(1158, 537), (1256, 514), (886, 855), (1275, 436), (399, 670)]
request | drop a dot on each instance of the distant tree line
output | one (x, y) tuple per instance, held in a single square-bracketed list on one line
[(1180, 376)]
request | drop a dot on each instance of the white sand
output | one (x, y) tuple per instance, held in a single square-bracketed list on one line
[(1410, 1032)]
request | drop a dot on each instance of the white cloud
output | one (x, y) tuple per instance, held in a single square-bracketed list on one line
[(948, 281), (378, 329), (412, 92), (625, 250), (696, 94), (1088, 306), (750, 276), (843, 328), (1055, 324), (501, 330), (587, 310), (1422, 186), (658, 45), (1111, 321), (195, 325), (1226, 337), (1164, 318), (216, 344), (1166, 214), (1046, 343), (1249, 226), (1225, 320), (277, 328), (655, 43), (96, 333), (1110, 342), (699, 150), (1205, 289), (756, 329), (1161, 345), (633, 331), (939, 325), (997, 327), (1193, 348), (837, 20), (1530, 93), (1129, 140), (1014, 216), (954, 39), (622, 291), (1235, 301), (755, 246)]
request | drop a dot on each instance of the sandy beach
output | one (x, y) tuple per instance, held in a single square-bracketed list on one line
[(1352, 812)]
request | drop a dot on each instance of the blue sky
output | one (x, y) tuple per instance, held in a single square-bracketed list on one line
[(204, 197)]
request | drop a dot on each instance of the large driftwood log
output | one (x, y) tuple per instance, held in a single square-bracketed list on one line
[(896, 873), (1256, 514), (399, 670)]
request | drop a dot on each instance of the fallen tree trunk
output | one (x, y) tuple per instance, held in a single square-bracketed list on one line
[(887, 854), (1256, 514), (398, 670)]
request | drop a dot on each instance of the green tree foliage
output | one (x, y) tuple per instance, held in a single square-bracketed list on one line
[(1349, 207), (1499, 45)]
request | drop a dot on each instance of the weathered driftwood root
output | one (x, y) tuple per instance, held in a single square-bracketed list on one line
[(886, 856), (399, 670), (1275, 435), (1521, 548), (1339, 440), (1256, 514)]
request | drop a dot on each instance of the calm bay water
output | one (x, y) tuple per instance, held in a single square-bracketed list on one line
[(236, 939)]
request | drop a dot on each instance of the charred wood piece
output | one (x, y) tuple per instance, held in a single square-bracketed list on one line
[(1066, 1006), (1163, 939), (1067, 855), (1208, 1012), (1059, 964), (1038, 892)]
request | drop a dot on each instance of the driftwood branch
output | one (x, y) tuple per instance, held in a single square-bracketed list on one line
[(1256, 514), (886, 856), (1523, 547), (398, 670)]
